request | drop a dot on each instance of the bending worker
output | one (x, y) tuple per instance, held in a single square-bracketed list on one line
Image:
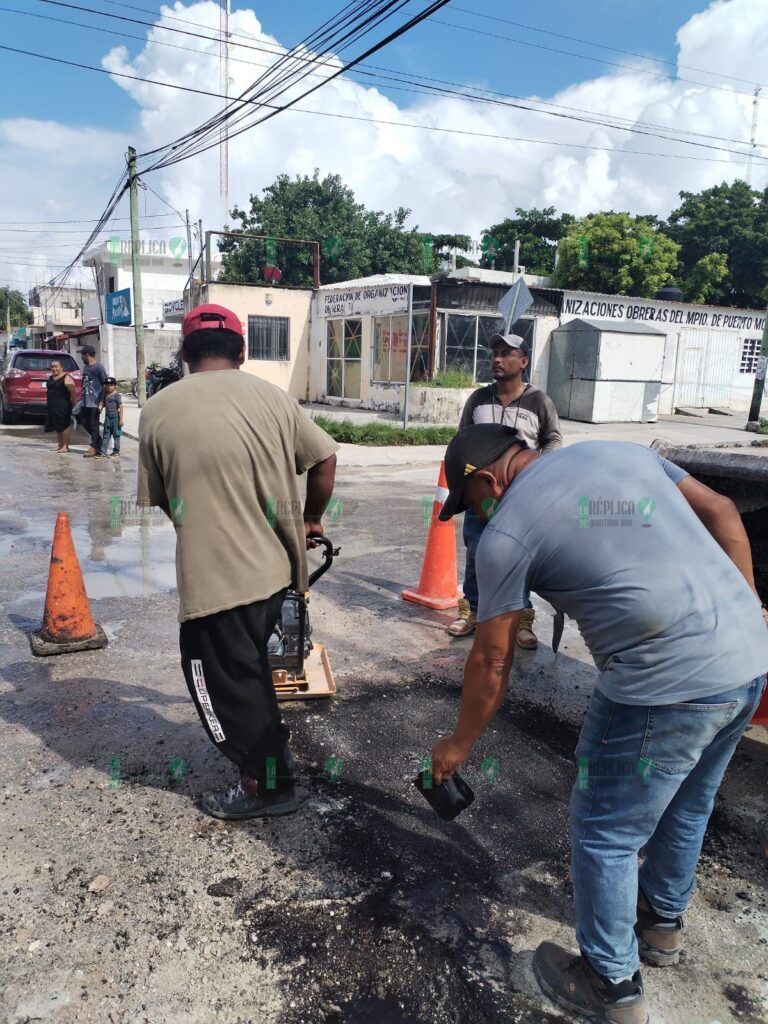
[(656, 570), (218, 451), (509, 400)]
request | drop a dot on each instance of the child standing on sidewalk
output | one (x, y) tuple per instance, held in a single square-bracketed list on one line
[(112, 404)]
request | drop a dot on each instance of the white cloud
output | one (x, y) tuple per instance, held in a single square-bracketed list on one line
[(451, 182)]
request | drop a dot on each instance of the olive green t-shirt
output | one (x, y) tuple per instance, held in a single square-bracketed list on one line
[(220, 452)]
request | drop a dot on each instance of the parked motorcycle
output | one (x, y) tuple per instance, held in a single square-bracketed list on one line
[(158, 377)]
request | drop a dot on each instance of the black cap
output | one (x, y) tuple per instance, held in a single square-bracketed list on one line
[(88, 350), (111, 380), (471, 449)]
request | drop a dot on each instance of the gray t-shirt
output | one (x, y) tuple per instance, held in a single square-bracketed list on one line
[(112, 403), (602, 532), (93, 384)]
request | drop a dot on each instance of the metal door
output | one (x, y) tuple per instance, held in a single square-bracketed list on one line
[(705, 367)]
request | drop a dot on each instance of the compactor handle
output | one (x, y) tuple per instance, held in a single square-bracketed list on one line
[(329, 554)]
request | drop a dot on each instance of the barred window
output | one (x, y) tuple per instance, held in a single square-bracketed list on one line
[(268, 337), (750, 354)]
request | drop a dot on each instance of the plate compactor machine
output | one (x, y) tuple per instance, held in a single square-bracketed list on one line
[(300, 668)]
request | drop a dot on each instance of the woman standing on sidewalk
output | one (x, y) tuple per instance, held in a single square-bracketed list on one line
[(60, 397)]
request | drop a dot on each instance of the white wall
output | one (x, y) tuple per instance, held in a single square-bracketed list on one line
[(673, 318), (116, 348), (292, 375), (542, 333)]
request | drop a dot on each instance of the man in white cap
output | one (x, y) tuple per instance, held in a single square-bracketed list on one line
[(511, 401)]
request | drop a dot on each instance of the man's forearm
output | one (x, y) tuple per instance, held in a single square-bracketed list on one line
[(732, 538), (485, 686), (725, 525), (320, 481)]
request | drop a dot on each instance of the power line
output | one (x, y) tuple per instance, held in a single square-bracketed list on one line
[(178, 214), (600, 46), (401, 124), (464, 10), (382, 74), (87, 220), (73, 231), (581, 56), (263, 89), (356, 19)]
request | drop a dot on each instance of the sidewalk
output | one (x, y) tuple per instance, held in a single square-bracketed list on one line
[(676, 430)]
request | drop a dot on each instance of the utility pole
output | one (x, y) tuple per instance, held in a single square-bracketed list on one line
[(757, 394), (190, 265), (224, 134), (138, 307), (753, 133)]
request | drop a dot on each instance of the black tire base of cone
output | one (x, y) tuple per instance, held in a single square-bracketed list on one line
[(42, 647)]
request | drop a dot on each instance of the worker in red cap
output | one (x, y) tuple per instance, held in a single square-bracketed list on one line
[(218, 452)]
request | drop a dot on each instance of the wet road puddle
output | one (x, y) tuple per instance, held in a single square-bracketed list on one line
[(117, 560)]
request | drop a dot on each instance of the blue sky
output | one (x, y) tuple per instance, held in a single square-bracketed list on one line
[(458, 165), (31, 88)]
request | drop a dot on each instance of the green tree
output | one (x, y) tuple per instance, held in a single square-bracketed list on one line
[(444, 246), (354, 241), (615, 253), (701, 283), (19, 309), (539, 231), (731, 220)]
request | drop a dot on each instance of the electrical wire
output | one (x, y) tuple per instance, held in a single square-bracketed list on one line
[(178, 214), (387, 75), (236, 111), (583, 56), (600, 46), (356, 19), (586, 42), (86, 220), (404, 124)]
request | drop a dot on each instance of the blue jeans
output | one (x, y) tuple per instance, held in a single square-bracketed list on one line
[(647, 777), (111, 429), (473, 531)]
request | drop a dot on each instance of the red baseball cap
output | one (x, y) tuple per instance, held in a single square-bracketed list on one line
[(208, 316)]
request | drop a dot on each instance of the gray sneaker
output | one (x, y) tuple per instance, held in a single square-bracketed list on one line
[(238, 804), (570, 981)]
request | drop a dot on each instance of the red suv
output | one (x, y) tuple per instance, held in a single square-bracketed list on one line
[(24, 376)]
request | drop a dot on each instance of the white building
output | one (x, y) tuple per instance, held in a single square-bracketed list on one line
[(163, 275), (651, 356), (602, 357)]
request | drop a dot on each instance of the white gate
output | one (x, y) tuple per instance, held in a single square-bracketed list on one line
[(706, 364)]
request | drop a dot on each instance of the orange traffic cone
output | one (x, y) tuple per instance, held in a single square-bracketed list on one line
[(760, 716), (67, 624), (438, 586)]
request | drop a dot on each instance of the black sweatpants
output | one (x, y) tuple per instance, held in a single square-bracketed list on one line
[(89, 417), (224, 658)]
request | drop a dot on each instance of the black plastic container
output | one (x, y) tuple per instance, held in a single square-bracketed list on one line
[(448, 799)]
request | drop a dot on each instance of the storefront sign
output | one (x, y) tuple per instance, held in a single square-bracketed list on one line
[(385, 298), (119, 307), (173, 308), (684, 314)]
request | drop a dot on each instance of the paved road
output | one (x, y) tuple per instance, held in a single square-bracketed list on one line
[(123, 903)]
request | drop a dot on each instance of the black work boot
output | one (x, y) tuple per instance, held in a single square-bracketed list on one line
[(243, 801), (658, 938), (571, 982)]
